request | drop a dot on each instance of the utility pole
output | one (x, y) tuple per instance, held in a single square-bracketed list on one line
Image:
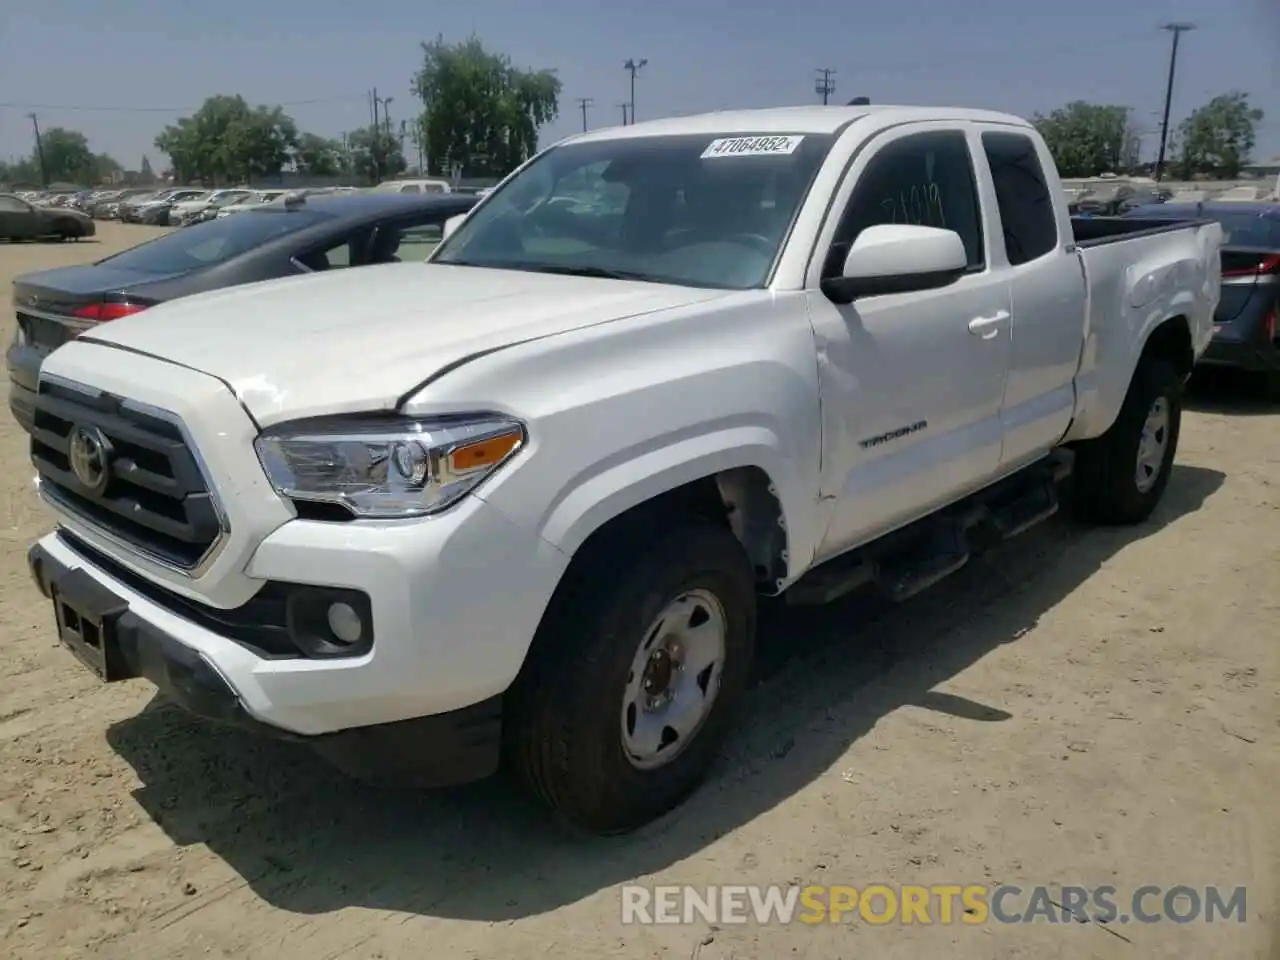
[(1177, 29), (386, 113), (825, 86), (373, 141), (584, 102), (44, 171), (624, 113), (633, 67)]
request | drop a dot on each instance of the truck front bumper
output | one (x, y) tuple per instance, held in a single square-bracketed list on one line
[(423, 705)]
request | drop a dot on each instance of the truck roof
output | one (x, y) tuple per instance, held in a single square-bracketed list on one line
[(815, 119)]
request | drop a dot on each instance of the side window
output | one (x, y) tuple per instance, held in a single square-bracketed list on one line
[(331, 257), (12, 205), (1027, 213), (406, 240), (926, 180), (410, 188)]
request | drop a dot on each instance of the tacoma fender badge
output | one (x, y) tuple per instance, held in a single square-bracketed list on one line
[(895, 434)]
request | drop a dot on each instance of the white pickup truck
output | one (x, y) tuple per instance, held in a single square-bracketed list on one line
[(519, 501)]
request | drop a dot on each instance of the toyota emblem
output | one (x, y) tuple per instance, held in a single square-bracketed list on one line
[(90, 455)]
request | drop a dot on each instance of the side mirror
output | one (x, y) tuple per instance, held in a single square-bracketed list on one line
[(898, 258), (451, 225)]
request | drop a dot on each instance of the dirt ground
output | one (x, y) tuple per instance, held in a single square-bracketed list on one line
[(1082, 706)]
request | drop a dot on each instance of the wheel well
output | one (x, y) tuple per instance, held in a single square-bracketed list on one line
[(743, 499), (1171, 342)]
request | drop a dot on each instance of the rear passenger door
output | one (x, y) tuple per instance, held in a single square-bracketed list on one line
[(1047, 295), (911, 384)]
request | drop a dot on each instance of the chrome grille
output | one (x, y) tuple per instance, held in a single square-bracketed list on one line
[(156, 499)]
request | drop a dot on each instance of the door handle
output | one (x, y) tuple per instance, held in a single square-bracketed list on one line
[(988, 327)]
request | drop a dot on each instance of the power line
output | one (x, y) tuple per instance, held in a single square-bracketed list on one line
[(1177, 29), (824, 86), (583, 103), (108, 109)]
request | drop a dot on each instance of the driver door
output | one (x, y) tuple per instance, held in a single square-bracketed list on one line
[(912, 383)]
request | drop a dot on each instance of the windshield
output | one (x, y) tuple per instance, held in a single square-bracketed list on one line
[(213, 241), (701, 211)]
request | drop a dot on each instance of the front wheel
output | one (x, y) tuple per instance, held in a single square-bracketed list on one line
[(634, 676), (1121, 475)]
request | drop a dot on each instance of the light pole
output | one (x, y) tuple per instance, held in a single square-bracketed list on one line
[(633, 67)]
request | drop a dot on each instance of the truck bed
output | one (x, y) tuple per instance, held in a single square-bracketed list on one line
[(1097, 231)]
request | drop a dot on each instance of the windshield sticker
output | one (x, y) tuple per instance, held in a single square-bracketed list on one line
[(751, 147)]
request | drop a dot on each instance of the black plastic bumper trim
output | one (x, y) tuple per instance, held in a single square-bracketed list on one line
[(439, 750), (1242, 354)]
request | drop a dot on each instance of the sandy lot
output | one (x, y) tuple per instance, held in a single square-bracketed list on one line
[(1083, 706)]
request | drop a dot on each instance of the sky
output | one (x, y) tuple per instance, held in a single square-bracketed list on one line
[(119, 70)]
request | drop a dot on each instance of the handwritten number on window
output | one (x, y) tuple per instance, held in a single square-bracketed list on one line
[(917, 205)]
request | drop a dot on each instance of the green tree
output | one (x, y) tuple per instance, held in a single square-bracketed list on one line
[(375, 154), (67, 156), (227, 140), (104, 168), (1087, 139), (24, 171), (1218, 137), (319, 156), (479, 110)]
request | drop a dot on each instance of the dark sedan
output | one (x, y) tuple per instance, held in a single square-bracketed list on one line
[(20, 220), (1246, 331), (273, 240)]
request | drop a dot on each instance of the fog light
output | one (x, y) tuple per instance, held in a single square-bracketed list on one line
[(344, 622)]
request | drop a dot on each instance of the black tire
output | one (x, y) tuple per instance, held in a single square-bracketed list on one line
[(1106, 489), (565, 722)]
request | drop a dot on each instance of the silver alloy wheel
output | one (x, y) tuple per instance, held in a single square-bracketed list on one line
[(1151, 448), (674, 679)]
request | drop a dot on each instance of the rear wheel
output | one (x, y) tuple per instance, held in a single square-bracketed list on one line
[(1121, 476), (634, 676)]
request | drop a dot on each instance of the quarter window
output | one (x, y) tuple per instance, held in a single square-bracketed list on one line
[(1027, 213)]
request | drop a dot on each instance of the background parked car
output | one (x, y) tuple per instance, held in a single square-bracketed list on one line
[(187, 212), (270, 240), (20, 220), (1246, 332), (248, 203)]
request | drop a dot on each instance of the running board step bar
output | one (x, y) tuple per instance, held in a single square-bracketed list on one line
[(912, 559)]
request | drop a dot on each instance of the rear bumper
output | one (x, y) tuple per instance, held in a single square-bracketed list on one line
[(1242, 355), (24, 374), (438, 750)]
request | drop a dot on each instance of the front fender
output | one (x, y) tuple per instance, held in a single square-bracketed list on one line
[(623, 412), (607, 489)]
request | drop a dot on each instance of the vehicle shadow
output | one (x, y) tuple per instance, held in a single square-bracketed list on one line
[(1231, 393), (307, 840)]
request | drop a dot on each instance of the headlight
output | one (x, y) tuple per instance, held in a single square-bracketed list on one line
[(387, 467)]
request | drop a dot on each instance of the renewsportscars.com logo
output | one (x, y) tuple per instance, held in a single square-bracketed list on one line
[(971, 904)]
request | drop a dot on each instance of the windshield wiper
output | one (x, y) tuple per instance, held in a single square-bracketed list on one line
[(563, 269), (603, 273)]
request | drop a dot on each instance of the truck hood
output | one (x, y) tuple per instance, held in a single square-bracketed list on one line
[(358, 340)]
